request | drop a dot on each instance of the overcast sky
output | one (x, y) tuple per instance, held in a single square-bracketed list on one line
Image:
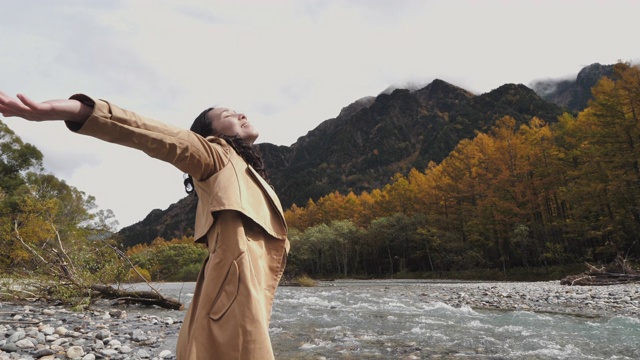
[(289, 65)]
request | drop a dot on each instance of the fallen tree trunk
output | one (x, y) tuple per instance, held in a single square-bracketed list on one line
[(587, 278), (64, 273), (618, 272), (136, 297)]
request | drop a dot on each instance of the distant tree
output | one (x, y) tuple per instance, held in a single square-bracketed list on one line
[(606, 171)]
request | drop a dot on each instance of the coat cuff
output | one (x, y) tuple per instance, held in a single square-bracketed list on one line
[(100, 109)]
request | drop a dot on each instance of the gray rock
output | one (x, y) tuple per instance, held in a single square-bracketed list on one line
[(118, 314), (57, 348), (138, 336), (114, 343), (25, 343), (89, 357), (18, 335), (143, 354), (60, 341), (79, 342), (164, 354), (73, 334), (48, 312), (75, 352), (9, 347), (61, 330), (48, 330), (22, 356), (103, 334), (125, 349), (108, 352), (43, 352)]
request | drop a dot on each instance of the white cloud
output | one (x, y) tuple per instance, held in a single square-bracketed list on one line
[(288, 64)]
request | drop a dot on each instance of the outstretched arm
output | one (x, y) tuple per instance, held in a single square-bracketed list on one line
[(26, 108), (186, 150)]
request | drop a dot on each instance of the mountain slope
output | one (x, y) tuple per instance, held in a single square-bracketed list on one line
[(374, 138), (573, 95)]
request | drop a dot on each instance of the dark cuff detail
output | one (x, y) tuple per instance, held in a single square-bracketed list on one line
[(73, 126)]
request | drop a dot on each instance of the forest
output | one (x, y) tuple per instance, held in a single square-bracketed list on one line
[(529, 197), (531, 201)]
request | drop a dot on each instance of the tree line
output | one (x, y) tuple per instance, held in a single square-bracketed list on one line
[(528, 196)]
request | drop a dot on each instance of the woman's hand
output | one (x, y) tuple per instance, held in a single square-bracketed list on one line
[(26, 108)]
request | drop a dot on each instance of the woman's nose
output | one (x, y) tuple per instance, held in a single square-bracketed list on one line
[(241, 116)]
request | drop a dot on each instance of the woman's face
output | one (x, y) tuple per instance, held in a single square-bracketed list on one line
[(228, 122)]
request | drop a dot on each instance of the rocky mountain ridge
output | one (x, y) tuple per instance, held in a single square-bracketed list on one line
[(375, 137)]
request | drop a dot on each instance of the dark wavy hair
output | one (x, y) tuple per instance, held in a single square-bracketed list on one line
[(249, 153)]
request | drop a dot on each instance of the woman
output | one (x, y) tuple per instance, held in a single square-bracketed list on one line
[(238, 216)]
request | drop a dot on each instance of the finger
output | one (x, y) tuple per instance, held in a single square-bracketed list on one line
[(6, 104), (10, 102), (28, 102), (4, 98), (10, 106)]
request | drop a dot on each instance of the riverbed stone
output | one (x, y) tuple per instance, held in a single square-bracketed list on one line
[(18, 335), (103, 334), (60, 341), (75, 352), (164, 354), (9, 347), (61, 330), (42, 353), (108, 352), (143, 354), (114, 343), (25, 343), (138, 336)]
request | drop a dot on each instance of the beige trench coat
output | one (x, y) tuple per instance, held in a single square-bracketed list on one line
[(240, 219)]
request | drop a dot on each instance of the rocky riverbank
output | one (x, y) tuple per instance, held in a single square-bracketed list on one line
[(39, 331), (551, 297), (31, 331)]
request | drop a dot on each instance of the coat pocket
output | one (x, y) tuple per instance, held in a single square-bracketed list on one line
[(229, 291)]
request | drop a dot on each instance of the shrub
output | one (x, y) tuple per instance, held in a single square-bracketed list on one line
[(305, 281)]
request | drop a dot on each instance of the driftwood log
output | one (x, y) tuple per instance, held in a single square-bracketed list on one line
[(63, 270), (604, 278), (618, 272), (136, 297)]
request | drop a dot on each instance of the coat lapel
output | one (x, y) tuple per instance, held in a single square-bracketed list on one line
[(271, 194)]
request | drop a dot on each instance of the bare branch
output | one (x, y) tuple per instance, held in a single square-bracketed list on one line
[(124, 256), (15, 227), (62, 248)]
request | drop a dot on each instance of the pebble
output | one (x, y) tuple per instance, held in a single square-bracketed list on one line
[(90, 335)]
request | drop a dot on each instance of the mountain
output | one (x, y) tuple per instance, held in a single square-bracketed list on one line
[(395, 132), (574, 94), (375, 137)]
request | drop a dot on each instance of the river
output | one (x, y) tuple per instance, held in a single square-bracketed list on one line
[(395, 320)]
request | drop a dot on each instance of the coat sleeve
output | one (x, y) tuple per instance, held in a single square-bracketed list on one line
[(186, 150)]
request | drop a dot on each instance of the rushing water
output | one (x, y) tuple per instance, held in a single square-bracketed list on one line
[(392, 320)]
